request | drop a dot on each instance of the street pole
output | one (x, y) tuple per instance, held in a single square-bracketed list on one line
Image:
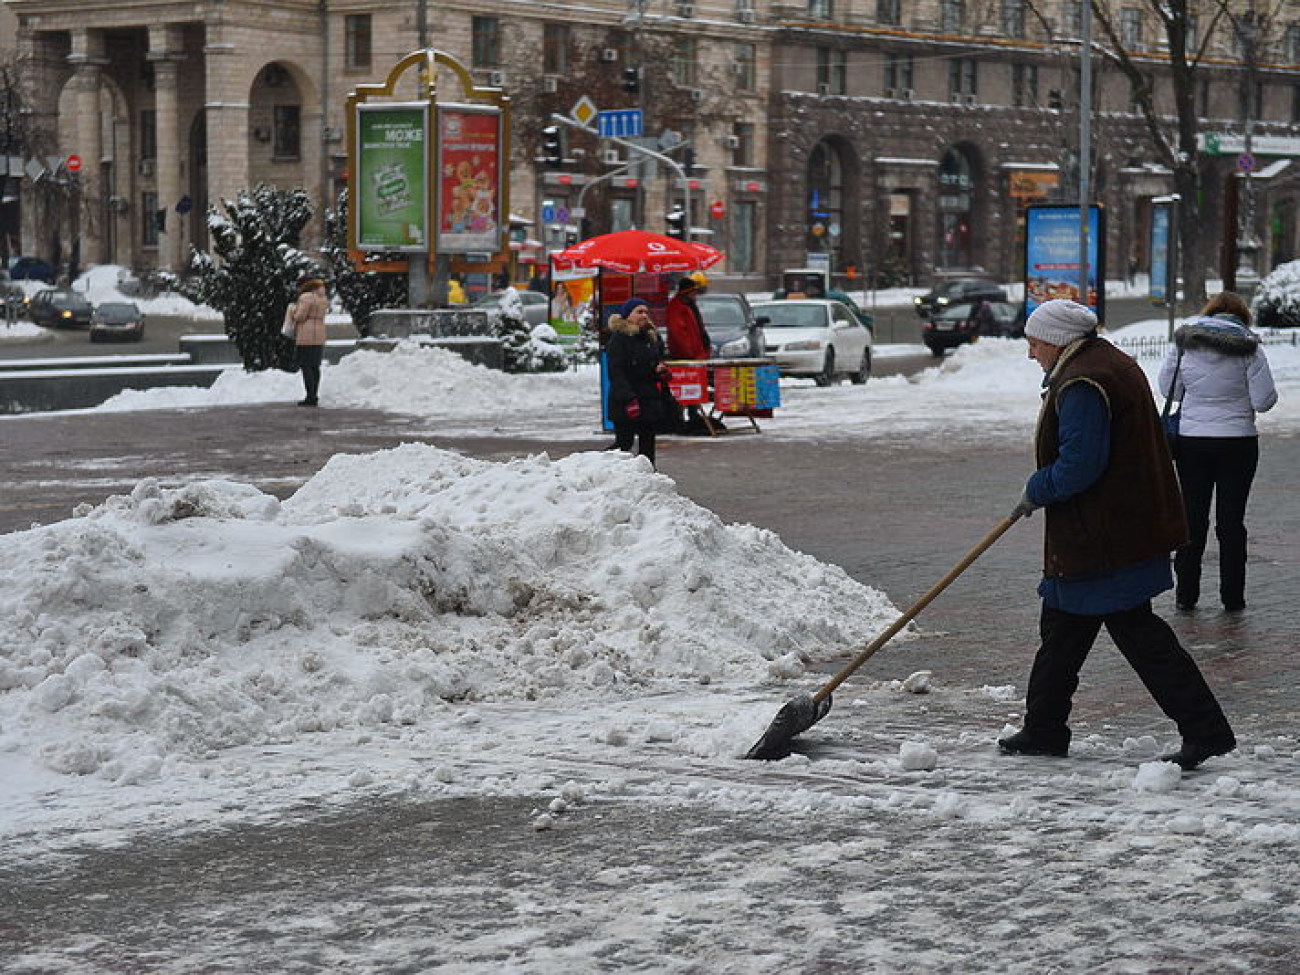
[(667, 160), (1085, 145)]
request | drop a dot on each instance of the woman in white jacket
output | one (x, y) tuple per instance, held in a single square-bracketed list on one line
[(1219, 371)]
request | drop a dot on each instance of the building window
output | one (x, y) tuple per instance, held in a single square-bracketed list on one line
[(557, 41), (952, 16), (1073, 17), (356, 41), (741, 254), (148, 134), (485, 42), (898, 75), (1013, 18), (825, 200), (149, 219), (743, 155), (963, 79), (887, 12), (821, 9), (956, 184), (746, 67), (287, 139), (1130, 28), (683, 61), (832, 71), (1024, 85)]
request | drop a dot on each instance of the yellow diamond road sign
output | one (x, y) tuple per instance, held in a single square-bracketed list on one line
[(584, 110)]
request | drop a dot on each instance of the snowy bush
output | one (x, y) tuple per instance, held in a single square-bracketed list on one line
[(362, 293), (525, 348), (255, 270), (1277, 300)]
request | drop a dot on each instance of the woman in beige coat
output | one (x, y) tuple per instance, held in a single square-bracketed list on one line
[(309, 334)]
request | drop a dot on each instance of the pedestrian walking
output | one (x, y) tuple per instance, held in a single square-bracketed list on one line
[(309, 334), (1113, 515), (634, 359), (1220, 375)]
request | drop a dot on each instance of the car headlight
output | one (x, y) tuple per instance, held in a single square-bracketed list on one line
[(942, 301), (735, 347), (812, 345), (65, 314)]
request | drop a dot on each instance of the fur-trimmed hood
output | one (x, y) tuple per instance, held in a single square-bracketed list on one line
[(1217, 333), (617, 323)]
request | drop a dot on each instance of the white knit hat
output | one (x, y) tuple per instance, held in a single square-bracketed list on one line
[(1060, 321)]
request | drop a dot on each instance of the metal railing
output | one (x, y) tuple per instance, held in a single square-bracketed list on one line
[(1155, 346)]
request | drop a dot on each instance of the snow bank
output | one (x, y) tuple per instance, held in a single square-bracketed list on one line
[(168, 624)]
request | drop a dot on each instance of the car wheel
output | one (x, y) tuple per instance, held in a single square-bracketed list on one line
[(936, 349), (864, 370), (827, 375)]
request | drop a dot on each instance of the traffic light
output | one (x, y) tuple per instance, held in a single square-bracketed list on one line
[(632, 80), (676, 221), (688, 161), (552, 151)]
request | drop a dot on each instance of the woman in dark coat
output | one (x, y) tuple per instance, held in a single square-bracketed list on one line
[(634, 358)]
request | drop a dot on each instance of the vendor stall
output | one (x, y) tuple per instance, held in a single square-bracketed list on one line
[(748, 388)]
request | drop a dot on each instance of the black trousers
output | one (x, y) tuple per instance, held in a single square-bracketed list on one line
[(624, 435), (1221, 469), (1151, 648), (309, 357)]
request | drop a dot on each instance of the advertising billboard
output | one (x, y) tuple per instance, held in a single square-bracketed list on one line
[(392, 175), (1161, 251), (1052, 256), (469, 155)]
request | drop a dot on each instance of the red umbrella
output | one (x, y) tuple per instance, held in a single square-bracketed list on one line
[(637, 252)]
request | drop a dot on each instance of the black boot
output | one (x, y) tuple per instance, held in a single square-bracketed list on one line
[(1195, 751), (1023, 743)]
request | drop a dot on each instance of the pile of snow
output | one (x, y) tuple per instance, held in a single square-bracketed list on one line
[(170, 623)]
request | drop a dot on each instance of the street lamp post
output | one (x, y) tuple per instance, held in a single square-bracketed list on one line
[(1248, 29)]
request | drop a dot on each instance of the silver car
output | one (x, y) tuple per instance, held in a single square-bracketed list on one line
[(818, 339), (536, 305)]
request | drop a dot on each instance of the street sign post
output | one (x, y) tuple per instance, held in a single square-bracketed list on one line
[(624, 123)]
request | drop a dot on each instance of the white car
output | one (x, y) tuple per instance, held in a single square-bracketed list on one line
[(815, 338)]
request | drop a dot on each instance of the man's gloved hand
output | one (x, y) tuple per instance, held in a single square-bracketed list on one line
[(1025, 508), (633, 409)]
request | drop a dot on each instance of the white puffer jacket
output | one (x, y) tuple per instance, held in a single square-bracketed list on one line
[(1223, 381)]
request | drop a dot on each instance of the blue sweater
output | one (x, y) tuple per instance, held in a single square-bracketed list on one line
[(1084, 431)]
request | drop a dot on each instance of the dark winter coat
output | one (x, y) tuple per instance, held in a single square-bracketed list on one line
[(1133, 512), (632, 359)]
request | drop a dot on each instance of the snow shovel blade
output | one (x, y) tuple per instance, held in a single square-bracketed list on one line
[(798, 715)]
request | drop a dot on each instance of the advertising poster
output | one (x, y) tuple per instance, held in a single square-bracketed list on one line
[(392, 174), (1160, 235), (469, 180), (1052, 256)]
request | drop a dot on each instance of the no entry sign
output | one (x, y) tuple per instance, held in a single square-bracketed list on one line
[(74, 164)]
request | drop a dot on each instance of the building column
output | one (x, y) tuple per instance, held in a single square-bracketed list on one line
[(165, 54), (227, 109), (84, 138)]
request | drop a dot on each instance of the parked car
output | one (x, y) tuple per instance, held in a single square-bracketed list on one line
[(820, 339), (955, 292), (117, 320), (733, 330), (31, 269), (60, 308), (959, 324), (536, 305)]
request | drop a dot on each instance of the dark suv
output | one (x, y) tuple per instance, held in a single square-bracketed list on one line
[(733, 331), (958, 291), (60, 308)]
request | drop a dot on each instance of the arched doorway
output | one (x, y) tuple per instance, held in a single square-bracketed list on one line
[(956, 209), (275, 122), (830, 226)]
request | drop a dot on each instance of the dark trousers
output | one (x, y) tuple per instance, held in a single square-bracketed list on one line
[(1151, 648), (1222, 469), (309, 357), (624, 435)]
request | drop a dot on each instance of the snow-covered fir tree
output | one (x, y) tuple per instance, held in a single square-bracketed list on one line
[(526, 348), (362, 293), (1277, 299), (253, 271)]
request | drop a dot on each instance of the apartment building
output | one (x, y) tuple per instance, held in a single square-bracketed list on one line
[(898, 139)]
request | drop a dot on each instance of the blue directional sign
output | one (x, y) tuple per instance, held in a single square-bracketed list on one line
[(624, 123)]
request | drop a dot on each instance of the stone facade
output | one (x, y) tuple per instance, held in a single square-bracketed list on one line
[(900, 139)]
